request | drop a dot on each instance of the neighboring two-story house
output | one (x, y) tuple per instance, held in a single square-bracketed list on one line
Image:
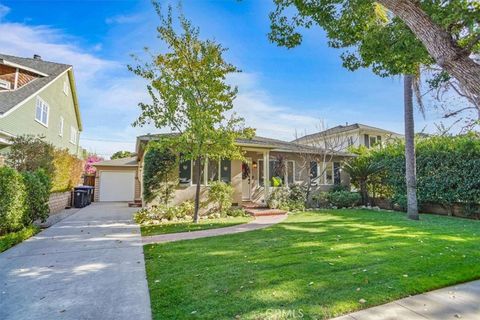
[(38, 97), (341, 137)]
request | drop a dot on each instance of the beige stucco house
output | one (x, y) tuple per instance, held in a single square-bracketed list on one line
[(341, 137), (121, 179)]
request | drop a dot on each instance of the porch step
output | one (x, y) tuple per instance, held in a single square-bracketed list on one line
[(135, 204), (258, 212), (253, 205)]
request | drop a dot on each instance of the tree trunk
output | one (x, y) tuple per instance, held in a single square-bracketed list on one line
[(439, 44), (364, 192), (410, 166), (198, 163)]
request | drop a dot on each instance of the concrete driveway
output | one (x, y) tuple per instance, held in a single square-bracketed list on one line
[(88, 266)]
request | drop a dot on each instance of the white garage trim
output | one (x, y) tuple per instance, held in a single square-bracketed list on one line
[(117, 185)]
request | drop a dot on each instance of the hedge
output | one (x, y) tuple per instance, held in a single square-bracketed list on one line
[(68, 171), (448, 170), (13, 205), (23, 198)]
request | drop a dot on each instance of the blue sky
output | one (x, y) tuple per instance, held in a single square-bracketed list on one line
[(281, 91)]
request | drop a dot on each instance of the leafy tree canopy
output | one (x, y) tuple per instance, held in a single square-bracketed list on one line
[(121, 154), (370, 35)]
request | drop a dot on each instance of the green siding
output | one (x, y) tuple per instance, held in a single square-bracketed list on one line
[(22, 120)]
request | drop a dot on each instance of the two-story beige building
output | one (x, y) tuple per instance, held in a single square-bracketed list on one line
[(341, 137)]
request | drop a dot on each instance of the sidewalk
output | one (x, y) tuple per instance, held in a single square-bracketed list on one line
[(259, 223), (457, 302)]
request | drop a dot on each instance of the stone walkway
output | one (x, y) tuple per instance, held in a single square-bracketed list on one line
[(90, 265), (457, 302), (259, 223)]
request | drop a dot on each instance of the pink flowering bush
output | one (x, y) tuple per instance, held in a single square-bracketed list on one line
[(91, 159)]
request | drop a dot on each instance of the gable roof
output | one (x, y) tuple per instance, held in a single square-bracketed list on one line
[(256, 141), (122, 162), (341, 129), (48, 71)]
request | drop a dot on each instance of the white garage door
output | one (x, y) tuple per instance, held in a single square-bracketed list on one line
[(117, 185)]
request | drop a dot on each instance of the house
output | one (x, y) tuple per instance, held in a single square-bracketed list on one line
[(121, 179), (38, 97), (341, 137)]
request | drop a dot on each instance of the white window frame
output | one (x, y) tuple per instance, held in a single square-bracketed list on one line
[(323, 181), (65, 87), (286, 170), (73, 135), (45, 108), (62, 124)]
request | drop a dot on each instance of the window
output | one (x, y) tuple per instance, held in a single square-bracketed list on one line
[(65, 88), (60, 128), (313, 170), (261, 181), (41, 112), (213, 170), (185, 172), (328, 174), (337, 178), (225, 171), (290, 172), (373, 141), (73, 135), (350, 141)]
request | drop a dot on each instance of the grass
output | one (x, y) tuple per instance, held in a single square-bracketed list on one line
[(319, 264), (11, 239), (174, 227)]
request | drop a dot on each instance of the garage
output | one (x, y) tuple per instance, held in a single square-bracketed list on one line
[(116, 180)]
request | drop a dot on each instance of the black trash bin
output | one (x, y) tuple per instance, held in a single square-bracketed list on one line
[(79, 198), (89, 190)]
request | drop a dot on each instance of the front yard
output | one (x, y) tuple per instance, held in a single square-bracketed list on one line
[(315, 264)]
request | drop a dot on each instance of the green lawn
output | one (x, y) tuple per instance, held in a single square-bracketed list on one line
[(317, 263), (174, 227), (11, 239)]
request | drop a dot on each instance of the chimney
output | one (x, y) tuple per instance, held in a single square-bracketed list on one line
[(37, 57)]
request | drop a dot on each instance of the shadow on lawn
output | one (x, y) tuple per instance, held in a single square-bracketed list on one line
[(319, 263)]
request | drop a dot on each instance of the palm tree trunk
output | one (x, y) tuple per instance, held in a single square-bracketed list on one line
[(410, 166), (198, 163)]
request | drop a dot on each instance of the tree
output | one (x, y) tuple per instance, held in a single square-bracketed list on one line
[(121, 154), (190, 96), (30, 153), (91, 159), (410, 164), (410, 33), (361, 169), (330, 144)]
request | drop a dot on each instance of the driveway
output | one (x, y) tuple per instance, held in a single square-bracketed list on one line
[(88, 266)]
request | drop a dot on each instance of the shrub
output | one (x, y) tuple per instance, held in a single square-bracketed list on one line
[(276, 182), (320, 198), (159, 178), (37, 187), (68, 171), (236, 212), (157, 213), (278, 197), (343, 199), (29, 153), (220, 195), (12, 200)]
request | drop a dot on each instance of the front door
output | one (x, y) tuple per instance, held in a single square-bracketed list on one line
[(246, 179)]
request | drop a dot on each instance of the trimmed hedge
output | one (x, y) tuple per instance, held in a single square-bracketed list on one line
[(13, 206), (68, 171), (448, 170), (23, 198)]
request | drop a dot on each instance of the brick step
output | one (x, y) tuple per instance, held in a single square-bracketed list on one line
[(253, 205), (135, 204), (258, 212)]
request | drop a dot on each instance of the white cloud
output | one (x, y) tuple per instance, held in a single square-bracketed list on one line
[(4, 10), (123, 19)]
